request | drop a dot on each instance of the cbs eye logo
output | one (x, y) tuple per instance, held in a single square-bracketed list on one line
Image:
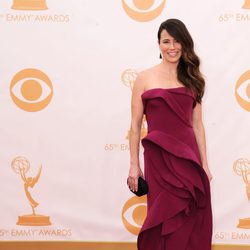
[(143, 10), (31, 90), (134, 213), (242, 91)]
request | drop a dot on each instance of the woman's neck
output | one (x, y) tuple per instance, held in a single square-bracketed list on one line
[(169, 68)]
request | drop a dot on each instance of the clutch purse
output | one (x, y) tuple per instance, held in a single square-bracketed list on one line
[(142, 187)]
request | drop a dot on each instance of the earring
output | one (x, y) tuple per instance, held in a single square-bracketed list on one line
[(160, 56)]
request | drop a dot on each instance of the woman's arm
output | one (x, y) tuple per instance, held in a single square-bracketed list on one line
[(135, 133), (199, 132)]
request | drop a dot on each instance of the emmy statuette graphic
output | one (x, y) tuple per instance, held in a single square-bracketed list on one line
[(21, 166), (128, 77), (242, 168), (246, 4), (29, 5)]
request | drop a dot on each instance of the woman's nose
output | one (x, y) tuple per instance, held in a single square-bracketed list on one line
[(171, 45)]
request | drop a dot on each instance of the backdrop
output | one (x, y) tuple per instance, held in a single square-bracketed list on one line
[(67, 70)]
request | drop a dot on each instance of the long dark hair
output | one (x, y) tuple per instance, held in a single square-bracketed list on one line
[(188, 71)]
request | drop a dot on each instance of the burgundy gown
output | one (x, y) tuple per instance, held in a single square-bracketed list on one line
[(179, 215)]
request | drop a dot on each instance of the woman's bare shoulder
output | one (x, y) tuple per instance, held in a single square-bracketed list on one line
[(144, 77), (141, 79), (148, 72)]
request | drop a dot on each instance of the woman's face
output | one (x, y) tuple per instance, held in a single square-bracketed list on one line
[(170, 48)]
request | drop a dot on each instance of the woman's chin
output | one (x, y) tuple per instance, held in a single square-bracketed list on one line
[(172, 59)]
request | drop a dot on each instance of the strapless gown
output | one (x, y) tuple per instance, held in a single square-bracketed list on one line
[(179, 214)]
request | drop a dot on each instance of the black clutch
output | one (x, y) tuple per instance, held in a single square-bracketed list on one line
[(142, 187)]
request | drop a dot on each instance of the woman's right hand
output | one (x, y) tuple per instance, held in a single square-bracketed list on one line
[(134, 173)]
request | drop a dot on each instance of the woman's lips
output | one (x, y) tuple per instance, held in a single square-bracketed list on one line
[(172, 54)]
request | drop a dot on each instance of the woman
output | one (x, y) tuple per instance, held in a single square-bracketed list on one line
[(169, 94)]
